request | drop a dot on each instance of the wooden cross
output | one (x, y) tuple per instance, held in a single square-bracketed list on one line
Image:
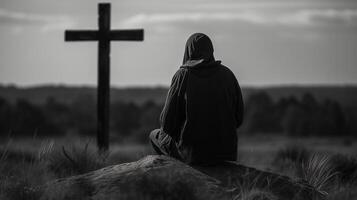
[(104, 35)]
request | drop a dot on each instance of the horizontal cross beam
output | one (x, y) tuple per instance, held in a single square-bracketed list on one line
[(93, 35)]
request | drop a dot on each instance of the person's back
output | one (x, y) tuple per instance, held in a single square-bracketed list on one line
[(203, 109), (212, 114)]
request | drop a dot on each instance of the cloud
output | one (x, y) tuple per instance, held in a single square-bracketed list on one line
[(159, 18), (274, 4), (259, 4), (303, 17), (323, 17), (45, 22)]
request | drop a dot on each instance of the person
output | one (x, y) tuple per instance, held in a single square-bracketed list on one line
[(203, 109)]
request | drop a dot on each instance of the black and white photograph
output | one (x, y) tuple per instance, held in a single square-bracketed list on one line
[(178, 100)]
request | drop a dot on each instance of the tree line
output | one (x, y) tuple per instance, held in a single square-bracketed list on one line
[(289, 115), (298, 117)]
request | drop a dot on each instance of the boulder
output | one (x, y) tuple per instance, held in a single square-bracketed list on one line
[(162, 177)]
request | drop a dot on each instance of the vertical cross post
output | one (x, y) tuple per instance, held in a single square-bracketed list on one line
[(103, 94)]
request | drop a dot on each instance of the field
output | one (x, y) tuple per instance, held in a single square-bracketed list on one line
[(259, 150), (28, 163)]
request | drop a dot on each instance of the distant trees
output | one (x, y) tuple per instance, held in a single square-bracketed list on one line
[(53, 118), (125, 117), (297, 117), (136, 121), (260, 115), (294, 117), (6, 116), (25, 119)]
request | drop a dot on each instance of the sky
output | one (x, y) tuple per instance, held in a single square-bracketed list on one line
[(264, 42)]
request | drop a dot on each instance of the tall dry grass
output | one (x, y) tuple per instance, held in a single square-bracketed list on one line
[(64, 162), (21, 172), (250, 191), (20, 175), (333, 175), (319, 172)]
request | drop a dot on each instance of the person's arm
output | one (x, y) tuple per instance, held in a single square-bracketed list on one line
[(240, 106), (173, 114)]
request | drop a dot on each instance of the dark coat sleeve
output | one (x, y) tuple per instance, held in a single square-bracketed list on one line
[(173, 114), (239, 105)]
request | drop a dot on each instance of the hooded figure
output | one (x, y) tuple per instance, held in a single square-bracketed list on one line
[(203, 109)]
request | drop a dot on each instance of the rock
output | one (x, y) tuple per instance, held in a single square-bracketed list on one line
[(162, 177)]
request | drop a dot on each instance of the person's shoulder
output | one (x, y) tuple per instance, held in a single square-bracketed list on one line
[(226, 70), (180, 74)]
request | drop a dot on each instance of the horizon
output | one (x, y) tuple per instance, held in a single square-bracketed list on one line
[(11, 85)]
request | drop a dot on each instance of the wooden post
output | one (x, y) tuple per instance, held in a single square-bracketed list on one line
[(103, 77)]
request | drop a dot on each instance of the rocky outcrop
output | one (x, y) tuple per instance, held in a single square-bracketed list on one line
[(161, 177)]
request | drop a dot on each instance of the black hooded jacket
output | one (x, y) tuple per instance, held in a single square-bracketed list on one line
[(204, 105)]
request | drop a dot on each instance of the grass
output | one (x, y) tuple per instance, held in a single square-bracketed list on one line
[(23, 170), (251, 191), (346, 166), (319, 172), (63, 162), (300, 163), (333, 175), (289, 160), (19, 176)]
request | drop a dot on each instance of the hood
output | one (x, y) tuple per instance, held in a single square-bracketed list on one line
[(199, 51)]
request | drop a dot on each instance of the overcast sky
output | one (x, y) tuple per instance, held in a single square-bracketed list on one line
[(264, 42)]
